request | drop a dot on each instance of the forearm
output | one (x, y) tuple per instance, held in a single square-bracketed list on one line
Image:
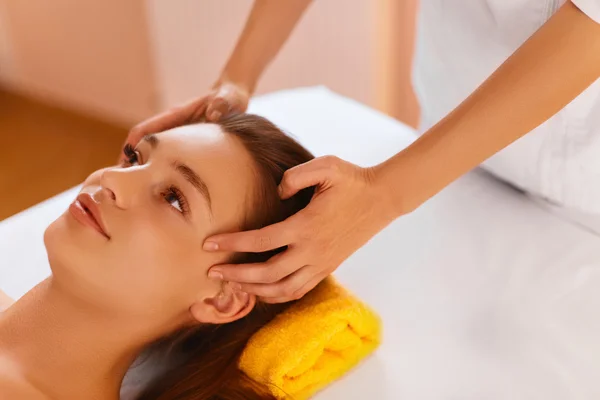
[(267, 28), (548, 71)]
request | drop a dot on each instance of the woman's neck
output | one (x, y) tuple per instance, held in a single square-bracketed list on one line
[(67, 348)]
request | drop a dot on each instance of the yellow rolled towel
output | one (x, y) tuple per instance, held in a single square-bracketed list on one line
[(312, 343)]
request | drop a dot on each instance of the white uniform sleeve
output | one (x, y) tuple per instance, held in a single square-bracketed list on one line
[(591, 8)]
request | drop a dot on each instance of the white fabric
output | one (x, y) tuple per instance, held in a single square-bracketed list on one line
[(460, 45), (590, 7), (484, 295)]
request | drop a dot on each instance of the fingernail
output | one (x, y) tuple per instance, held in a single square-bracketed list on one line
[(280, 190), (210, 246), (244, 297), (215, 115), (212, 274)]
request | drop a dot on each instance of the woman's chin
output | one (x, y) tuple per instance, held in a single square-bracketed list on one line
[(66, 232), (71, 263), (66, 246), (57, 237)]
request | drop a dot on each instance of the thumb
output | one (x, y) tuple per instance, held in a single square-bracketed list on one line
[(217, 108), (174, 117), (301, 177)]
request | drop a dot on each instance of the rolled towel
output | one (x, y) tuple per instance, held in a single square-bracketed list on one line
[(311, 344)]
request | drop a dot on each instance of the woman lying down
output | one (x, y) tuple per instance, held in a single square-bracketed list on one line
[(129, 274)]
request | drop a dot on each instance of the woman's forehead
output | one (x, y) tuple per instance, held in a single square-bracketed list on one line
[(195, 135), (195, 144), (220, 159)]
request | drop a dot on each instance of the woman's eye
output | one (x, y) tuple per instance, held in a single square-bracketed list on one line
[(131, 156), (175, 199), (133, 161)]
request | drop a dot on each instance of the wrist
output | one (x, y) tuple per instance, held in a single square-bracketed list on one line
[(396, 183), (389, 205), (239, 76)]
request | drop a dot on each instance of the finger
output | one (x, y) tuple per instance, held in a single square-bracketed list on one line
[(274, 300), (287, 289), (275, 269), (150, 125), (257, 241), (301, 177), (172, 118), (217, 108), (310, 285)]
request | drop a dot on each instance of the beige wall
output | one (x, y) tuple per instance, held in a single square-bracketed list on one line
[(7, 70), (122, 60), (85, 54), (359, 48), (396, 41), (333, 45)]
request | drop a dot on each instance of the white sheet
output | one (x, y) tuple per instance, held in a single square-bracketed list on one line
[(483, 294)]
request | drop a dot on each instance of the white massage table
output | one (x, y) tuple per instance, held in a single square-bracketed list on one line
[(483, 294)]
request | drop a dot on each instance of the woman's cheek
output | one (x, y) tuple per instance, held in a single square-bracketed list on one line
[(157, 243), (155, 246)]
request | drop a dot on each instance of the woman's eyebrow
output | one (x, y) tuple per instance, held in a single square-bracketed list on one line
[(194, 179), (152, 139)]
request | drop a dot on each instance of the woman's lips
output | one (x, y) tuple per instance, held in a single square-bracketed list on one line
[(86, 211)]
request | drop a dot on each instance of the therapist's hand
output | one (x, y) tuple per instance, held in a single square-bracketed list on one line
[(348, 208), (224, 99)]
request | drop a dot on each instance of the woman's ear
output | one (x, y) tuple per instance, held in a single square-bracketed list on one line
[(227, 306)]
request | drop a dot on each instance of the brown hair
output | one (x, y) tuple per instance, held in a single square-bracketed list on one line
[(210, 370)]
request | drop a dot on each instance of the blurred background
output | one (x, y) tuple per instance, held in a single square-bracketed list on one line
[(75, 75)]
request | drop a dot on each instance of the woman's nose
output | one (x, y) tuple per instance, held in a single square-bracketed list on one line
[(108, 193), (120, 186)]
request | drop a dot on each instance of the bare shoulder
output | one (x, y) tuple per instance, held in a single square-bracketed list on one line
[(15, 386), (14, 390), (12, 384), (5, 301)]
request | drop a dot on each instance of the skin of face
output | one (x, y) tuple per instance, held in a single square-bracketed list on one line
[(175, 189)]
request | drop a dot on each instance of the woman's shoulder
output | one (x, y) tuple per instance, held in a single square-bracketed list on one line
[(16, 390), (14, 386)]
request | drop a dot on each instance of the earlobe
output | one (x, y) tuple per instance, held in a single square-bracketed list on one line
[(227, 306)]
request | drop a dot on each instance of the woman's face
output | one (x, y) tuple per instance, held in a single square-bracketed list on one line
[(145, 256)]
